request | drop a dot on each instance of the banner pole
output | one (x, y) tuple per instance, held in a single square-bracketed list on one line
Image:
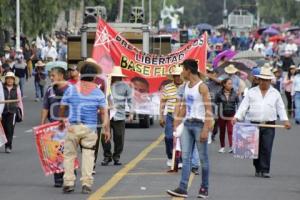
[(264, 125)]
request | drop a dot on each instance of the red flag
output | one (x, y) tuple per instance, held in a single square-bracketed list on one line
[(110, 48)]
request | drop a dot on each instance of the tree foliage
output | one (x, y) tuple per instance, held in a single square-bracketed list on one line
[(40, 15), (279, 10), (36, 16)]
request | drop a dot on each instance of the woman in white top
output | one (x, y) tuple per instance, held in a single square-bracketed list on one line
[(288, 83)]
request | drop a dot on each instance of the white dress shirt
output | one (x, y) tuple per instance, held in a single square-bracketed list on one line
[(49, 53), (255, 107)]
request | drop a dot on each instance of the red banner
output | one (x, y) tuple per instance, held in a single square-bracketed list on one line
[(50, 147), (111, 48)]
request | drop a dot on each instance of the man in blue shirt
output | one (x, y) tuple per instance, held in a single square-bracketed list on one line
[(84, 101)]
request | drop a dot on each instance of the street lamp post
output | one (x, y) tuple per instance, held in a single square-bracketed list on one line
[(225, 13), (17, 24)]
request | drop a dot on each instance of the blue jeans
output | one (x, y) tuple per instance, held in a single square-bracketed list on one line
[(169, 135), (195, 157), (22, 84), (39, 90), (190, 137), (297, 105)]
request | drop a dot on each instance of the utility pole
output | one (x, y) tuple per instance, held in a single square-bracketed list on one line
[(121, 6), (258, 14), (150, 13), (18, 24), (225, 13)]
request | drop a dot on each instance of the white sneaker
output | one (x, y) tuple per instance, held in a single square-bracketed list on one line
[(37, 99), (222, 150), (209, 140), (230, 150), (180, 166), (169, 162)]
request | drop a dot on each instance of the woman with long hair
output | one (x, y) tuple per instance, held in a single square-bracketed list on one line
[(227, 101), (288, 83), (12, 92)]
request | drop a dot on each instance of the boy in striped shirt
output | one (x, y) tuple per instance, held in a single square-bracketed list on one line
[(168, 102)]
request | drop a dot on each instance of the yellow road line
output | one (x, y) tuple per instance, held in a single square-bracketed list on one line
[(137, 197), (192, 176), (148, 173), (120, 174), (155, 159)]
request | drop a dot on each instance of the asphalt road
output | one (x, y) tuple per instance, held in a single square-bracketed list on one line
[(143, 173)]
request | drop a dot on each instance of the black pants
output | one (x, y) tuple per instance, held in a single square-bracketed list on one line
[(118, 130), (8, 123), (266, 138), (59, 178), (289, 101)]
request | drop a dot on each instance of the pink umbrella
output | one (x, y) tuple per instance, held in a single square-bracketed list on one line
[(228, 54)]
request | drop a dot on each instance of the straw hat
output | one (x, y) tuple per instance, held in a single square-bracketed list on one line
[(53, 64), (72, 67), (209, 69), (92, 62), (230, 69), (274, 70), (6, 48), (40, 64), (175, 71), (293, 67), (12, 75), (117, 72), (265, 73)]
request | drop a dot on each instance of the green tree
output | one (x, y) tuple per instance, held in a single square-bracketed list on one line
[(278, 10)]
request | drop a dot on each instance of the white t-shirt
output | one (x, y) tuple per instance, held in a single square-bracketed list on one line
[(259, 48), (291, 48)]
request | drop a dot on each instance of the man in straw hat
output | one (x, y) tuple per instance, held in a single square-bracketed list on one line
[(261, 105), (40, 76), (168, 102), (231, 71), (121, 94), (214, 86), (84, 100)]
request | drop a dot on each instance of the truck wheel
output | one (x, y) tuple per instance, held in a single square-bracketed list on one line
[(145, 121)]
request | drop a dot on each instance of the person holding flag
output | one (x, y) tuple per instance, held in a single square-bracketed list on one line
[(168, 103), (51, 102), (261, 105)]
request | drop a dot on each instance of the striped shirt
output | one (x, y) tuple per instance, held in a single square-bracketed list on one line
[(83, 101), (169, 94)]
